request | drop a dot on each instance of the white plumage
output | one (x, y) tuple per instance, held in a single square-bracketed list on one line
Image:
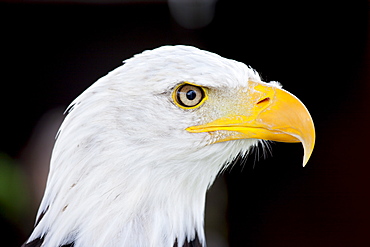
[(124, 169)]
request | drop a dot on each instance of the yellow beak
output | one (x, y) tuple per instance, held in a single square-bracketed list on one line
[(269, 113)]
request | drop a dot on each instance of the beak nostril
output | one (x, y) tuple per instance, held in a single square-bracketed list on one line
[(265, 100)]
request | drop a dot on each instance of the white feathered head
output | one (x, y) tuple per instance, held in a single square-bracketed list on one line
[(138, 149)]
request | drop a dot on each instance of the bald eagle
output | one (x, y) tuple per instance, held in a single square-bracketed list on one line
[(139, 148)]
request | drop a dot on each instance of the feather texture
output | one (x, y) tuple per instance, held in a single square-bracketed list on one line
[(39, 241)]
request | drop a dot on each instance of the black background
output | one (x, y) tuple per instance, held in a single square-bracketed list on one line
[(318, 50)]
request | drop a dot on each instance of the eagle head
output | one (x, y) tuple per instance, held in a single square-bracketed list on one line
[(139, 148)]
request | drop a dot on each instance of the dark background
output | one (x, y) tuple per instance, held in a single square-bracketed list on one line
[(319, 51)]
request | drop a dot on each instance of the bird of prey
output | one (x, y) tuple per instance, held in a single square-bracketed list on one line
[(138, 149)]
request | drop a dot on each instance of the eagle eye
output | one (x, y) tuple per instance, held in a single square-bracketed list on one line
[(189, 96)]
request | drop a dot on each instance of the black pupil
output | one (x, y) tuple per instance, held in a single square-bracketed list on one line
[(191, 94)]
